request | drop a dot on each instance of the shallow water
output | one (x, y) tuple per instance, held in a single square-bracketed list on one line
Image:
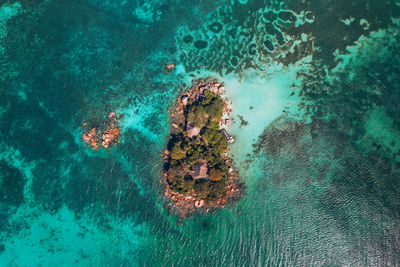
[(314, 89)]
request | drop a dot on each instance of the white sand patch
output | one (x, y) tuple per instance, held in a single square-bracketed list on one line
[(259, 100)]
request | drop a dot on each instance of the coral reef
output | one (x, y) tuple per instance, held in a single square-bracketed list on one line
[(355, 96), (229, 42), (252, 34)]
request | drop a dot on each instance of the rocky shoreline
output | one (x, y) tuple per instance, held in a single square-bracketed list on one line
[(186, 198)]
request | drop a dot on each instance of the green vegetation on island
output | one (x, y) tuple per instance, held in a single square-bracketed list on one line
[(197, 169), (196, 153)]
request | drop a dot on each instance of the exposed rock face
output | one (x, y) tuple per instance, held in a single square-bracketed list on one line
[(185, 100), (200, 170), (107, 135), (193, 130)]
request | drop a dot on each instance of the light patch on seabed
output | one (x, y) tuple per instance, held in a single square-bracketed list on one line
[(146, 13), (347, 21), (70, 241), (6, 13), (260, 98), (135, 116), (22, 95), (379, 129), (243, 2)]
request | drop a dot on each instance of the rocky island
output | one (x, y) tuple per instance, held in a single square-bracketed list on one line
[(102, 134), (198, 172)]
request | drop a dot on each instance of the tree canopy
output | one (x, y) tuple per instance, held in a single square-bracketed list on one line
[(209, 146)]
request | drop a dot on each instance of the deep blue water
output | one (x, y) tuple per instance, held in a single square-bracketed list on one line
[(317, 81)]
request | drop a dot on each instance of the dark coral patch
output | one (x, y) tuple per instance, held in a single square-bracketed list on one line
[(47, 185), (11, 184), (112, 190), (234, 61), (270, 15), (287, 16), (200, 44), (309, 15), (269, 28), (279, 37), (252, 49), (188, 39), (269, 45)]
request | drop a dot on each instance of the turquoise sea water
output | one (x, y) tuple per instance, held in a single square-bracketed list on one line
[(316, 81)]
